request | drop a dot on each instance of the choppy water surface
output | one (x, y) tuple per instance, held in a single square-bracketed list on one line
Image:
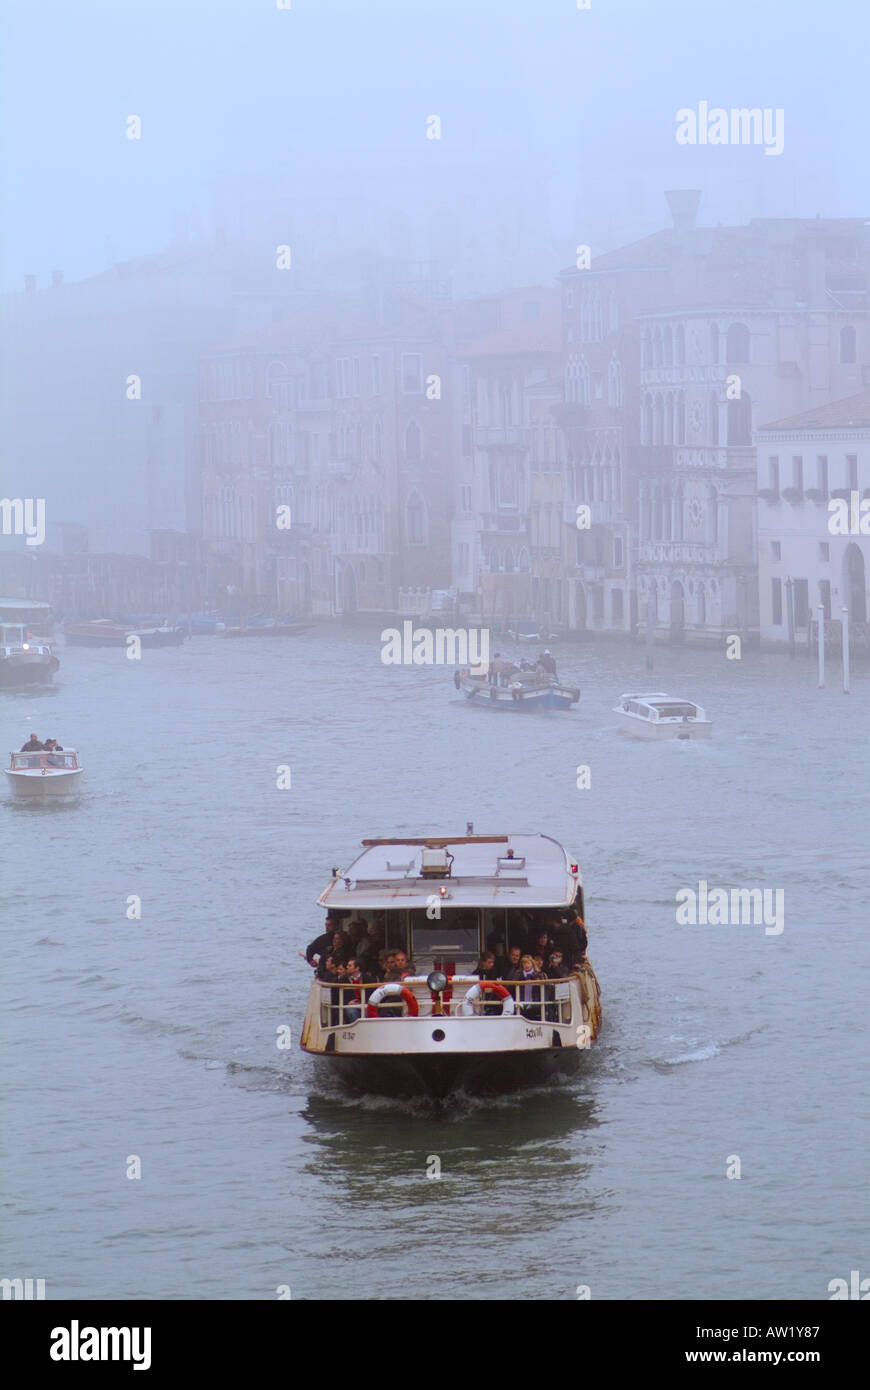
[(157, 1037)]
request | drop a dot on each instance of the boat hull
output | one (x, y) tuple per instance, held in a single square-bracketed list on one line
[(488, 1073), (514, 700), (435, 1054), (153, 637), (656, 733), (26, 669), (53, 784)]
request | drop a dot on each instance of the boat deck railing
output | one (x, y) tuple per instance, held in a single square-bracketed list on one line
[(549, 1001)]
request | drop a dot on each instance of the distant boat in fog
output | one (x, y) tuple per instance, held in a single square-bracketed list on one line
[(269, 627), (102, 632), (656, 715), (528, 690), (23, 659)]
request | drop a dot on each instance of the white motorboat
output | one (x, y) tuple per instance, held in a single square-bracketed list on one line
[(444, 901), (44, 773), (655, 715)]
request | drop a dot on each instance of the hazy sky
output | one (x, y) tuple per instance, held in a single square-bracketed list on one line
[(563, 118)]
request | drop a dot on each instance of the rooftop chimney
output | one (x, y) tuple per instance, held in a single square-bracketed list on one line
[(57, 278), (29, 283), (683, 203)]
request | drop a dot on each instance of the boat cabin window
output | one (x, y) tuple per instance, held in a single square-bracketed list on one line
[(24, 760), (37, 760), (455, 937), (676, 710)]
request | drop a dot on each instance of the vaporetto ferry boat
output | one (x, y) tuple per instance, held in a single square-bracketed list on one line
[(444, 902)]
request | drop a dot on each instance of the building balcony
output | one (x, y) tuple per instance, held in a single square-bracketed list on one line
[(350, 544), (697, 375), (678, 553), (604, 513), (317, 406), (511, 437), (501, 523), (660, 458), (343, 467)]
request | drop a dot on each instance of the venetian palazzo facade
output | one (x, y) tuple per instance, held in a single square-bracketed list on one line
[(814, 558), (325, 460), (725, 327), (508, 544)]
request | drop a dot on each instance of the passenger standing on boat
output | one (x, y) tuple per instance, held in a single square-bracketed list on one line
[(543, 944), (494, 671), (352, 976), (323, 943), (398, 966), (356, 931), (547, 663), (527, 992), (32, 745), (556, 967), (512, 964), (486, 968), (555, 970), (582, 940), (337, 973), (368, 949)]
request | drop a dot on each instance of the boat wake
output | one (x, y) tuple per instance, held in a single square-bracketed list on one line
[(699, 1051)]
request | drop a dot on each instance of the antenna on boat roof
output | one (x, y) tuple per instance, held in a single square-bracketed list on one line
[(469, 827)]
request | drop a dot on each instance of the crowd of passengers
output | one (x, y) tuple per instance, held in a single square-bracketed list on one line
[(543, 947)]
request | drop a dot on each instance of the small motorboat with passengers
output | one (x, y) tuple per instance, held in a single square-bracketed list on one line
[(44, 773)]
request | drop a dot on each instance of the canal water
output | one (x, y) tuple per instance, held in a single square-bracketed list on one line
[(723, 1046)]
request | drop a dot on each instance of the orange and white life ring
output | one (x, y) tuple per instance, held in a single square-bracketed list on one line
[(508, 1005), (391, 991)]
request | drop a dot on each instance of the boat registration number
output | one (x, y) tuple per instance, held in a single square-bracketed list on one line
[(534, 1032)]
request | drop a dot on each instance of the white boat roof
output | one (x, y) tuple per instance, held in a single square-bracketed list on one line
[(654, 696), (29, 605), (388, 874)]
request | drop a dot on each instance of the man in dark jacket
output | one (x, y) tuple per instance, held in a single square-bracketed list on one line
[(32, 745), (322, 944), (574, 941), (486, 967), (555, 969)]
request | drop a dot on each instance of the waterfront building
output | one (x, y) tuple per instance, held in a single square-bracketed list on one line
[(507, 526), (805, 561), (726, 327)]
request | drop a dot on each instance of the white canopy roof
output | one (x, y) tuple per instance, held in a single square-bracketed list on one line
[(486, 871)]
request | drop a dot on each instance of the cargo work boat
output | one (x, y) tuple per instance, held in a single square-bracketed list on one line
[(441, 906), (529, 690)]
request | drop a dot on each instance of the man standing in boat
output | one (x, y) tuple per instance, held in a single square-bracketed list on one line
[(547, 663), (33, 745)]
